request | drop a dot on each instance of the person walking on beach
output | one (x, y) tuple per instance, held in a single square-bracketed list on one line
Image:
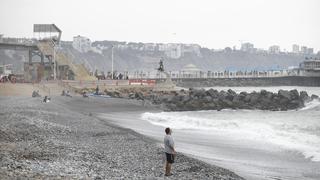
[(169, 151)]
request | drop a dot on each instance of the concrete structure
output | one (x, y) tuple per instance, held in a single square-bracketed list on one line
[(296, 49), (47, 31), (58, 66), (5, 69), (247, 47), (304, 49), (149, 47), (311, 64), (275, 49), (253, 81), (191, 48), (171, 50), (310, 51), (81, 43), (190, 70)]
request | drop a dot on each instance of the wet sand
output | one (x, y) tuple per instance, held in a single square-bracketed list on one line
[(66, 139)]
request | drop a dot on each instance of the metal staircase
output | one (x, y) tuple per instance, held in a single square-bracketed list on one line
[(47, 48), (81, 73)]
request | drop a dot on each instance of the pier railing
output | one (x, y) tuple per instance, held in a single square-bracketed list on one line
[(214, 74)]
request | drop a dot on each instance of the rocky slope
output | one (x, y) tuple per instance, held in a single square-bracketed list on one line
[(141, 58)]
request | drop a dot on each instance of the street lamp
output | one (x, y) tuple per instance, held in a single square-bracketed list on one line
[(54, 61), (112, 62)]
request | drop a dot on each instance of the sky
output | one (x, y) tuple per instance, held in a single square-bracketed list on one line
[(215, 24)]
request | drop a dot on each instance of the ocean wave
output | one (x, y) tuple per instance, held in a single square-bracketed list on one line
[(292, 133), (312, 104)]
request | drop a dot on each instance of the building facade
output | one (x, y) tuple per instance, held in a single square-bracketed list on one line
[(275, 49), (296, 49), (247, 47), (81, 43)]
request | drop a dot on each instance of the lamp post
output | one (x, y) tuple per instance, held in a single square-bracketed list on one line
[(54, 61), (112, 62)]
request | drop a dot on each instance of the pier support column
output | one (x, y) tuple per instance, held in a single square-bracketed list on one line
[(30, 56), (42, 58)]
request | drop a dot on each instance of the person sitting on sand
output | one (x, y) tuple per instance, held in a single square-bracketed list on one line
[(46, 99), (36, 94), (97, 90), (169, 151), (68, 94)]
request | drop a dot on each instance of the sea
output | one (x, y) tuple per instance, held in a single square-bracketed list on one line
[(255, 144)]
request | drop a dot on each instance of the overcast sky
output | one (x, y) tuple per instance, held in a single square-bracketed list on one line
[(210, 23)]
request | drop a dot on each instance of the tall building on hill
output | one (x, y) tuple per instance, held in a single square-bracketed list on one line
[(81, 43), (304, 49), (310, 51), (247, 47), (171, 50), (296, 49), (275, 49)]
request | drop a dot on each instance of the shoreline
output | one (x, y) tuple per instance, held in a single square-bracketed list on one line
[(65, 139)]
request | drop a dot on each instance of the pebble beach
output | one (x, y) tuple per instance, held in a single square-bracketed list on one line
[(64, 139)]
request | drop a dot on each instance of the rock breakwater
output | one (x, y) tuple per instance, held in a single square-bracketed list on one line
[(201, 99)]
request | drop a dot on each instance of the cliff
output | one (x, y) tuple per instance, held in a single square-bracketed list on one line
[(139, 56)]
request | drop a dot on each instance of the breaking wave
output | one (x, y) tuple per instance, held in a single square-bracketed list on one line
[(298, 130)]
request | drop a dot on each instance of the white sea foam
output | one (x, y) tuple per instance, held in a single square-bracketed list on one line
[(313, 104), (297, 130)]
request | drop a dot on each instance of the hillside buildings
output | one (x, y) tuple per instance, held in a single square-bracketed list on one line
[(275, 49), (81, 43), (171, 50), (247, 47), (296, 49), (178, 50)]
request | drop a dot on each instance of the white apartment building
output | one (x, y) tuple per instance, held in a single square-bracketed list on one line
[(275, 49), (247, 47), (191, 48), (171, 50), (296, 49), (310, 51), (81, 43), (304, 49)]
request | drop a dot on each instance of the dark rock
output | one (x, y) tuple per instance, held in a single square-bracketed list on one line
[(294, 94), (313, 97), (230, 91), (284, 94), (263, 92), (199, 99), (304, 96), (247, 98), (207, 99), (199, 93), (139, 96), (254, 98), (212, 92), (295, 104)]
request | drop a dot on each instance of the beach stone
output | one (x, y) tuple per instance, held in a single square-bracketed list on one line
[(313, 97), (294, 94), (212, 92), (284, 94), (304, 96)]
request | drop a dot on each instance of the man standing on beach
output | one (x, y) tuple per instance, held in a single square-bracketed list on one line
[(169, 151)]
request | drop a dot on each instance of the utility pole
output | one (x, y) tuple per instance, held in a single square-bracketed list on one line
[(112, 62), (54, 62)]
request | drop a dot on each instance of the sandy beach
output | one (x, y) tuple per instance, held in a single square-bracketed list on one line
[(65, 139)]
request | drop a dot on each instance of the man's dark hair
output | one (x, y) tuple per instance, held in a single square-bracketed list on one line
[(167, 130)]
